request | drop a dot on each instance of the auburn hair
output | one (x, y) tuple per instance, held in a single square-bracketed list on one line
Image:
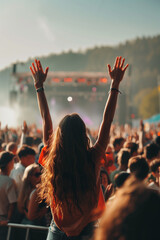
[(69, 172)]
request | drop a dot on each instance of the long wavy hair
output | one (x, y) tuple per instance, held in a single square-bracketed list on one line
[(26, 187), (69, 172)]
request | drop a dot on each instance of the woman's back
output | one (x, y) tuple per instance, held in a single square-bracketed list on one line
[(70, 215), (70, 169)]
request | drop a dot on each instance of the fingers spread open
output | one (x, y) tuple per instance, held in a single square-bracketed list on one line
[(116, 62), (125, 67), (46, 71), (119, 63), (109, 68), (32, 71), (40, 66), (122, 62), (36, 64), (35, 70)]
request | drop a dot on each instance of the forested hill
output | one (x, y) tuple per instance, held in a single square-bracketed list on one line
[(143, 55)]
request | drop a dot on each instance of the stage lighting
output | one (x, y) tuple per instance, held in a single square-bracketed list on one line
[(69, 99)]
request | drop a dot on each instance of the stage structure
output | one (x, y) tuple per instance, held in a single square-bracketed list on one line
[(69, 83), (83, 87)]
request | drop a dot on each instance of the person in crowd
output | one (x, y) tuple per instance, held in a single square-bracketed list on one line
[(121, 178), (37, 211), (117, 144), (141, 138), (157, 141), (105, 180), (12, 147), (151, 152), (107, 186), (4, 146), (29, 141), (108, 160), (133, 147), (1, 148), (31, 211), (123, 158), (8, 192), (26, 156), (71, 179), (31, 178), (139, 167), (38, 214), (133, 214), (154, 175)]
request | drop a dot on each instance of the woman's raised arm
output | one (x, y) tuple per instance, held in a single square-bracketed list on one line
[(116, 76), (39, 77)]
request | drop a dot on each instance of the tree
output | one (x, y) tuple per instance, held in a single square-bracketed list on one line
[(149, 105)]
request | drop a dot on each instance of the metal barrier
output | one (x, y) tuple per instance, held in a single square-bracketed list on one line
[(24, 226)]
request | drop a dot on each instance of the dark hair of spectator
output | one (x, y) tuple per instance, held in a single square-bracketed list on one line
[(133, 214), (29, 141), (152, 150), (139, 167), (123, 157), (37, 141), (118, 141), (155, 164), (120, 178), (25, 150), (5, 158), (157, 140), (132, 146)]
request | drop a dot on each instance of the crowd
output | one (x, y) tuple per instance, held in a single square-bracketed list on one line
[(81, 183)]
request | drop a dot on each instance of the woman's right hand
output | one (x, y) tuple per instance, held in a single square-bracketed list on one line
[(38, 74)]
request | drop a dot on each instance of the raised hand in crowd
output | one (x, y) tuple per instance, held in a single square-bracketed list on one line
[(116, 74), (39, 77), (118, 70), (24, 132), (24, 127), (38, 74)]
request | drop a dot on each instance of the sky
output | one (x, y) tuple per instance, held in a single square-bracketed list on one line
[(30, 28)]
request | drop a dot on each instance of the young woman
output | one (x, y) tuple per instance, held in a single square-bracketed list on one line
[(71, 179), (31, 178)]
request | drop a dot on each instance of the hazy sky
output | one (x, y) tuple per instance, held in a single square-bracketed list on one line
[(31, 28)]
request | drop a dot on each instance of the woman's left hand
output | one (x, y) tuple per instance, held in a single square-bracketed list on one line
[(38, 74)]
